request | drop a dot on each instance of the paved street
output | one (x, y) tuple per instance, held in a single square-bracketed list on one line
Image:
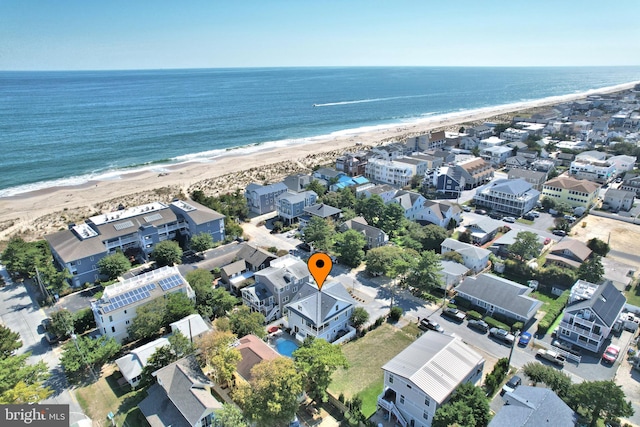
[(19, 310)]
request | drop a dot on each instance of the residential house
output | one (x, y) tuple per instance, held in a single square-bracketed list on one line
[(500, 296), (568, 253), (389, 172), (290, 206), (295, 183), (255, 257), (618, 200), (348, 181), (133, 230), (390, 151), (447, 156), (622, 163), (449, 181), (528, 406), (385, 191), (430, 141), (247, 261), (261, 199), (191, 326), (253, 351), (600, 171), (374, 236), (480, 132), (423, 376), (351, 164), (492, 141), (439, 213), (631, 182), (181, 397), (513, 196), (575, 192), (475, 172), (535, 178), (320, 210), (565, 159), (132, 364), (590, 314), (497, 156), (514, 135), (328, 174), (276, 286), (116, 309), (483, 230), (452, 273), (419, 167), (500, 246), (543, 165), (469, 142), (473, 257), (325, 314), (516, 162), (432, 162)]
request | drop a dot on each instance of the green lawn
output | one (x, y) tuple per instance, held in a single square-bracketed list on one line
[(546, 299), (524, 221), (366, 357), (633, 294)]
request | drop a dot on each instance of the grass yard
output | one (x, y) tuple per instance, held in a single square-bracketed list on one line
[(366, 357), (633, 294), (546, 299), (105, 395)]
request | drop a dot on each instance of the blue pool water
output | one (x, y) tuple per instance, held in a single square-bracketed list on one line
[(286, 347)]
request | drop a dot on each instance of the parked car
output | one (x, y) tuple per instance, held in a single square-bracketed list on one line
[(524, 339), (502, 335), (466, 208), (568, 347), (509, 219), (570, 218), (454, 314), (534, 214), (610, 355), (430, 325), (46, 323), (51, 337), (529, 217), (559, 232), (552, 356), (479, 325), (495, 215), (547, 241), (481, 212), (512, 384)]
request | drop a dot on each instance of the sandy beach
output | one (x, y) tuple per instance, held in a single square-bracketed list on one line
[(43, 211)]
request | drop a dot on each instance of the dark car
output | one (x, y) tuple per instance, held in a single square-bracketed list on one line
[(466, 208), (430, 325), (524, 339), (495, 215), (454, 314), (559, 232), (480, 211), (46, 323), (51, 337), (304, 247), (512, 384), (529, 216), (479, 325)]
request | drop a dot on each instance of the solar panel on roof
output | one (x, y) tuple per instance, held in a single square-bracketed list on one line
[(154, 217), (123, 225), (170, 282)]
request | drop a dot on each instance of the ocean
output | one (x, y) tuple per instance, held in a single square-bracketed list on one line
[(64, 128)]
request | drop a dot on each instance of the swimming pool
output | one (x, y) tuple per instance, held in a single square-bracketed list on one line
[(286, 347)]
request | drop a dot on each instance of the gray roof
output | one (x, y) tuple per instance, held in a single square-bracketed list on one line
[(380, 188), (334, 299), (201, 214), (487, 225), (503, 293), (533, 407), (510, 186), (159, 411), (322, 210), (328, 172), (360, 224), (70, 248), (465, 248), (253, 255), (259, 291), (436, 364), (453, 268), (131, 224), (440, 208), (131, 365), (234, 268), (527, 174), (576, 247), (406, 199), (281, 272), (606, 302), (266, 189), (190, 326), (620, 194)]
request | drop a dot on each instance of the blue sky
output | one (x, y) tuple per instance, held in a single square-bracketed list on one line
[(140, 34)]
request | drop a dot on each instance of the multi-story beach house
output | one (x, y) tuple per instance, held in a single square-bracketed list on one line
[(352, 164), (533, 177), (385, 191), (374, 236), (475, 172), (569, 253), (473, 257), (600, 171), (430, 141), (618, 200), (497, 156), (116, 309), (449, 181), (439, 213), (139, 228), (423, 376), (631, 183), (622, 163), (276, 286), (132, 364), (492, 141), (324, 314), (575, 192), (590, 314), (512, 196), (514, 135), (389, 172), (261, 199), (411, 202), (290, 206)]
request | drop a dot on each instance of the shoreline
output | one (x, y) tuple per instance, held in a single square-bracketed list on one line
[(48, 209)]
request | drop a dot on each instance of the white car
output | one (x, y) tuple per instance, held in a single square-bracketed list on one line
[(509, 219)]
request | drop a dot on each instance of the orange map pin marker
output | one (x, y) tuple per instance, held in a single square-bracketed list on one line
[(320, 265)]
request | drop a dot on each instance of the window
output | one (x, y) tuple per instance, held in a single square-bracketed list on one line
[(295, 289), (127, 322), (390, 379), (113, 329), (110, 318), (402, 399), (427, 401), (285, 299), (425, 415)]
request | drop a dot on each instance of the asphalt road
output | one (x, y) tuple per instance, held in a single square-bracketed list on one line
[(20, 312)]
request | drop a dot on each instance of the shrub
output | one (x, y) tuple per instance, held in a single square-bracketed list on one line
[(465, 304), (495, 323), (83, 321), (452, 305), (471, 314), (379, 321), (395, 313), (518, 326), (554, 310), (495, 378)]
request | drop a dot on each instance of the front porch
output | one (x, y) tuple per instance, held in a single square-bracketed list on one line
[(388, 409)]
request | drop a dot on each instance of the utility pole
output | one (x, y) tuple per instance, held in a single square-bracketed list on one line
[(517, 334)]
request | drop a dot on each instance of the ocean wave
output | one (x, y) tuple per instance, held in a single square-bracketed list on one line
[(363, 101)]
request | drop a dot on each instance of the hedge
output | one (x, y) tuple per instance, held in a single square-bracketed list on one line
[(495, 378), (554, 310), (474, 315), (496, 323)]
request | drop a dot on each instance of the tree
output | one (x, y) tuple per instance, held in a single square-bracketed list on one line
[(23, 258), (218, 352), (465, 236), (380, 259), (179, 306), (318, 233), (350, 247), (222, 302), (548, 203), (598, 246), (167, 252), (201, 242), (62, 323), (453, 256), (201, 282), (318, 360), (271, 398), (391, 219), (557, 381), (525, 246), (9, 341), (346, 199), (359, 317), (22, 383), (114, 265), (591, 270), (371, 209), (243, 322), (468, 407), (599, 399), (230, 416), (426, 274), (317, 187), (149, 319), (563, 207), (84, 353), (179, 347)]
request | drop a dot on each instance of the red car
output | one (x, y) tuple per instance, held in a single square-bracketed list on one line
[(610, 355), (547, 241)]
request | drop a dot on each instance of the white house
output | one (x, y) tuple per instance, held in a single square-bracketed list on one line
[(411, 202), (593, 170), (132, 364), (513, 196), (389, 172), (423, 376), (496, 155), (439, 213), (622, 163), (474, 257), (619, 199), (116, 309), (323, 314)]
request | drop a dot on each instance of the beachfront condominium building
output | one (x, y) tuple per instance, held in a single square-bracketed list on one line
[(137, 229), (290, 206), (601, 171), (390, 172), (512, 196), (423, 376), (575, 192), (116, 309), (474, 171), (261, 199)]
